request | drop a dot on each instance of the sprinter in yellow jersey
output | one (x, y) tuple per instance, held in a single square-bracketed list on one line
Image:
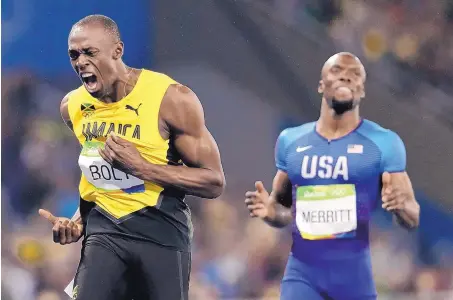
[(144, 147)]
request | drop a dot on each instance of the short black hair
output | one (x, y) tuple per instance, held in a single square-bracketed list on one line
[(109, 25)]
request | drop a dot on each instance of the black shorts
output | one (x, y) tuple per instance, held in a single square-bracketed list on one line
[(114, 267)]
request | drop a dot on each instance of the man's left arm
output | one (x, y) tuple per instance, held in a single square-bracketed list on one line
[(398, 197), (202, 175)]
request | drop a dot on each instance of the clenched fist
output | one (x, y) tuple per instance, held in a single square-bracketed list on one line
[(394, 198), (64, 230)]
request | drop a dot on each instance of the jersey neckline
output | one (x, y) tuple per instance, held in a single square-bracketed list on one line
[(339, 138), (122, 100)]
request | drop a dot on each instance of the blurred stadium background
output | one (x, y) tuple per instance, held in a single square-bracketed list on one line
[(255, 66)]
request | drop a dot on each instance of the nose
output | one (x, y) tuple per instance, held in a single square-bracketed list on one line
[(81, 62), (345, 79)]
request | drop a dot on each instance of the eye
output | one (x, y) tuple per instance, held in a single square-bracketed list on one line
[(335, 69), (73, 54), (90, 53)]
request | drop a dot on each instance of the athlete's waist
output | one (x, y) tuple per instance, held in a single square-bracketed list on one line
[(330, 250), (168, 228), (121, 203), (146, 193)]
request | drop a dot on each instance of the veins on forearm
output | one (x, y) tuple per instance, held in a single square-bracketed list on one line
[(194, 181)]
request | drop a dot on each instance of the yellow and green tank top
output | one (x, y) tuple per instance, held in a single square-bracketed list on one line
[(124, 204)]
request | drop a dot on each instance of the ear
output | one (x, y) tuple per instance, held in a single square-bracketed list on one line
[(321, 87), (119, 50)]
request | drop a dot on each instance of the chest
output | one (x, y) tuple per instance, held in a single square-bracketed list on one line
[(129, 120), (321, 162)]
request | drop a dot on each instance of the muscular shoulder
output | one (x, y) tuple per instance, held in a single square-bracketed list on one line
[(178, 94), (285, 139), (64, 109), (291, 134), (64, 105), (181, 109), (391, 146), (379, 135)]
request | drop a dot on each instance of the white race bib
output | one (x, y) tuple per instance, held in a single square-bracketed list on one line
[(326, 211), (101, 174)]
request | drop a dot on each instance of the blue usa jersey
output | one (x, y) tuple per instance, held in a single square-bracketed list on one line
[(336, 185)]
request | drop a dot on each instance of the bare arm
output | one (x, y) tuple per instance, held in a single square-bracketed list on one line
[(399, 198), (65, 112), (280, 201), (203, 174), (274, 209)]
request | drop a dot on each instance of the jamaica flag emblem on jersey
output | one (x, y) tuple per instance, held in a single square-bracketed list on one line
[(87, 109)]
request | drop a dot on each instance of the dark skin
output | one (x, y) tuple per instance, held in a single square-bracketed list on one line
[(343, 77), (93, 50), (181, 113), (65, 231), (273, 208)]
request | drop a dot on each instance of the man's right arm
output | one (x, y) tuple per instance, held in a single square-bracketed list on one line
[(274, 209), (65, 231), (64, 111), (279, 211), (280, 199)]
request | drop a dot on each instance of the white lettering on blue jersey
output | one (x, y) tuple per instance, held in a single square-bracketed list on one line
[(324, 167)]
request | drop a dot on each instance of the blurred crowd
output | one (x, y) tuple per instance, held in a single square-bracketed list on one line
[(233, 257), (414, 33), (407, 42)]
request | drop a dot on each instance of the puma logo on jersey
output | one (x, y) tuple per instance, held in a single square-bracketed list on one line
[(133, 109), (325, 167)]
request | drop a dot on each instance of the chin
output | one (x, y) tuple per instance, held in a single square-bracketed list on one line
[(96, 93)]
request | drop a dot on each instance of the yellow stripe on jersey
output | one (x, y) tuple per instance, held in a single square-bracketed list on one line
[(134, 118)]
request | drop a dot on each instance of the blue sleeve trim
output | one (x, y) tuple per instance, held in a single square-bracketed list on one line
[(281, 168), (280, 150), (397, 171)]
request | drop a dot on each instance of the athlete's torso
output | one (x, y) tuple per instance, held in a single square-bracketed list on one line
[(336, 186), (125, 204)]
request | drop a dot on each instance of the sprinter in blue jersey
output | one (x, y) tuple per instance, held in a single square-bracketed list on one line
[(331, 175)]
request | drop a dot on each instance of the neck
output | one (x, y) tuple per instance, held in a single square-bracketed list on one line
[(333, 126), (122, 85)]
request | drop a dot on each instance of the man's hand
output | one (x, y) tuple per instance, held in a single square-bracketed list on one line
[(270, 208), (64, 230), (393, 197), (398, 197), (121, 154), (258, 202)]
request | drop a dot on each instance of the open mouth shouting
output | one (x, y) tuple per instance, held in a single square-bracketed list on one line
[(89, 81)]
